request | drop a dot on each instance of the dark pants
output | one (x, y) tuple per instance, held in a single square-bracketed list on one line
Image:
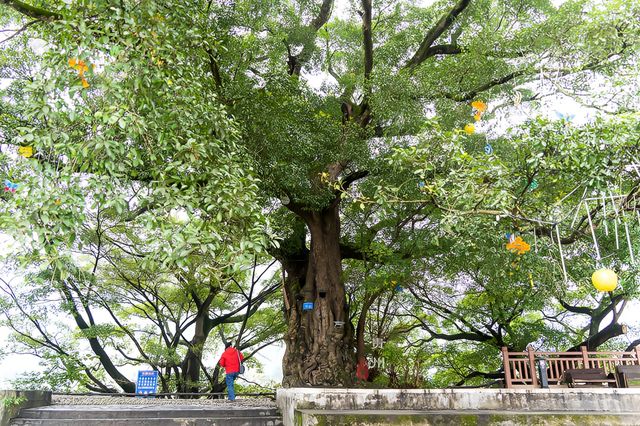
[(229, 378)]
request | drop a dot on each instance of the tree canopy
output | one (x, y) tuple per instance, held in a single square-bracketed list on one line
[(363, 146)]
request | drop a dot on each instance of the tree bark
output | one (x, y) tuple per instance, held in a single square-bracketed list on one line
[(320, 351), (609, 332), (113, 372), (192, 363)]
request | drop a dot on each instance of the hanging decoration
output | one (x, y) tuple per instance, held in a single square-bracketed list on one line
[(518, 246), (533, 185), (564, 268), (362, 369), (25, 151), (10, 186), (488, 149), (566, 118), (604, 280), (517, 98), (396, 286), (80, 66), (469, 129), (479, 108)]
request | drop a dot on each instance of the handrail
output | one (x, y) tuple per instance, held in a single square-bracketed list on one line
[(520, 367)]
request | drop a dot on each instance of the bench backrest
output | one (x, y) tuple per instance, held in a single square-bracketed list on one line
[(631, 371), (586, 374)]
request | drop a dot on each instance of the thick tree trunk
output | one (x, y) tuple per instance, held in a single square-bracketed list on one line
[(192, 363), (320, 347)]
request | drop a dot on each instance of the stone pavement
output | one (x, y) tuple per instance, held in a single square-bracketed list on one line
[(120, 400)]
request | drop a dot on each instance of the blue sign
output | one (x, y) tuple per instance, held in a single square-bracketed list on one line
[(307, 306), (147, 382)]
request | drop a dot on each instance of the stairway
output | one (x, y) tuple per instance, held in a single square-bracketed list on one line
[(143, 415)]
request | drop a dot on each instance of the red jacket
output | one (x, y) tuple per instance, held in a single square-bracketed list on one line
[(229, 360)]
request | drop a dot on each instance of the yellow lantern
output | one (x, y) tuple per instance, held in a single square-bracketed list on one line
[(604, 280), (469, 129), (25, 151)]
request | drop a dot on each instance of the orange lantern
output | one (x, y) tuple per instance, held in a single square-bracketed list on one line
[(604, 280)]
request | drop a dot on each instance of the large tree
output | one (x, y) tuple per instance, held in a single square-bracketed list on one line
[(326, 102)]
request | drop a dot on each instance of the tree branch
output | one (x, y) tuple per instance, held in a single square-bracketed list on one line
[(607, 333), (351, 178), (488, 85), (560, 72), (295, 62), (20, 30), (576, 309), (367, 38), (436, 31), (32, 11), (632, 345)]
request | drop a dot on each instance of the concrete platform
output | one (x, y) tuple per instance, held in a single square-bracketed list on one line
[(310, 406), (462, 417)]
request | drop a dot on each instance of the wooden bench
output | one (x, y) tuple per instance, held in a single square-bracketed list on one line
[(626, 373), (587, 376)]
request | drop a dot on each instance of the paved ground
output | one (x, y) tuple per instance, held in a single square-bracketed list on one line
[(128, 401)]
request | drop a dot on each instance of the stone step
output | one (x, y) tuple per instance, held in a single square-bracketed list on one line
[(143, 411), (185, 421), (111, 415)]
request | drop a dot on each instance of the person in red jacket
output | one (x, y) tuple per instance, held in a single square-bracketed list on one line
[(230, 360)]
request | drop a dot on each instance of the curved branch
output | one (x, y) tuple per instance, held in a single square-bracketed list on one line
[(607, 333), (20, 30), (351, 178), (473, 374), (560, 72), (32, 11), (436, 31), (576, 309), (470, 95), (632, 345)]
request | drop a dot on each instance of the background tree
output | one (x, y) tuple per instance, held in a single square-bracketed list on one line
[(119, 305)]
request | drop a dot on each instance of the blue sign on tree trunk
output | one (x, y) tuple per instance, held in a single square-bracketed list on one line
[(147, 382)]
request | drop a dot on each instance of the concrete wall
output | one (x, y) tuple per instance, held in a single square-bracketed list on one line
[(517, 400), (12, 401)]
